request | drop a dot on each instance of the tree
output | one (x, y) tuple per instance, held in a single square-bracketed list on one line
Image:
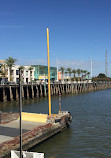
[(74, 72), (22, 69), (62, 69), (66, 74), (78, 72), (101, 75), (85, 72), (82, 71), (88, 73), (30, 69), (10, 62), (42, 69), (69, 71)]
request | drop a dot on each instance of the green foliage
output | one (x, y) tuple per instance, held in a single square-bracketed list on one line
[(22, 68), (62, 69), (30, 68), (10, 62), (78, 72), (101, 77)]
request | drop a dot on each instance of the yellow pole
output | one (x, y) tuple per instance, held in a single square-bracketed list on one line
[(49, 93)]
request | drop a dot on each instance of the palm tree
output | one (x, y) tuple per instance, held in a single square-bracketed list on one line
[(30, 69), (10, 62), (66, 74), (62, 69), (85, 72), (22, 69), (69, 71), (74, 72), (42, 69), (82, 71), (88, 73), (78, 72)]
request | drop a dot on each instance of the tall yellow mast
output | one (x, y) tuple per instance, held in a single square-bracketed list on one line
[(49, 93)]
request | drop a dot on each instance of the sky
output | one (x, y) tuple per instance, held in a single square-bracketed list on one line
[(79, 30)]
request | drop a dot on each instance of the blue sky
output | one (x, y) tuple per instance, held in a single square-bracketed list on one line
[(80, 30)]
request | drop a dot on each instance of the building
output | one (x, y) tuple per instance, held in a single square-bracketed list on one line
[(62, 76), (27, 75), (3, 72), (38, 72), (59, 76), (41, 72)]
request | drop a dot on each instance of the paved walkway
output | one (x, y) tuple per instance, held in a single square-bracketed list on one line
[(10, 130)]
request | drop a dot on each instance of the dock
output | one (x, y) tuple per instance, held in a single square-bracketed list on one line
[(35, 128)]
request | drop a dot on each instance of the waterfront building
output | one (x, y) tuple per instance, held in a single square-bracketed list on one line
[(64, 77), (41, 72), (3, 72), (59, 75), (38, 72), (27, 75)]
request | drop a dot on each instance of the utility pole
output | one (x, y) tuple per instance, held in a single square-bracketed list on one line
[(91, 68), (106, 71), (20, 102)]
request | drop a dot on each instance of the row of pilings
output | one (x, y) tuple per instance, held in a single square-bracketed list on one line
[(11, 92)]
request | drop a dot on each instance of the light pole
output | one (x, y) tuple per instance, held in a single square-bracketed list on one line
[(20, 111), (91, 68)]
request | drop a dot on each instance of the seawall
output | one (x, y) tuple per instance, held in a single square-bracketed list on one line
[(11, 92)]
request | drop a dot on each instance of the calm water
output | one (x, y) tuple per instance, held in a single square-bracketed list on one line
[(90, 133)]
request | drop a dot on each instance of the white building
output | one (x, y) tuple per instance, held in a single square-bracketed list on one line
[(27, 75)]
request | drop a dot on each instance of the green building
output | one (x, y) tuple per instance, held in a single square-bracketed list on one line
[(41, 72)]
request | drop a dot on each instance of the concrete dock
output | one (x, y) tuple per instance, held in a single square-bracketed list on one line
[(33, 132)]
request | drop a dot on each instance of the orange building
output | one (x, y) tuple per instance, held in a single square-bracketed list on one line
[(59, 75)]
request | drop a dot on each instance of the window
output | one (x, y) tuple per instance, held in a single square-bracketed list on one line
[(26, 73), (17, 72)]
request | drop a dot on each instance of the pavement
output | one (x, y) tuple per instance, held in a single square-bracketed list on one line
[(11, 129)]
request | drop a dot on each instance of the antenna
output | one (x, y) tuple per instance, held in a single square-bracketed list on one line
[(106, 63)]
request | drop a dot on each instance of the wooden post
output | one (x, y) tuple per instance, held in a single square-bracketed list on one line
[(11, 95), (4, 96)]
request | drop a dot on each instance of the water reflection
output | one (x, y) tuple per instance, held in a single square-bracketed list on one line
[(90, 131)]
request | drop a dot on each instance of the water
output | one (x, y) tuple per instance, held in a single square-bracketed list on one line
[(90, 133)]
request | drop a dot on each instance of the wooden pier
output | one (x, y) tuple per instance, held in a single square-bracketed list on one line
[(11, 92)]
